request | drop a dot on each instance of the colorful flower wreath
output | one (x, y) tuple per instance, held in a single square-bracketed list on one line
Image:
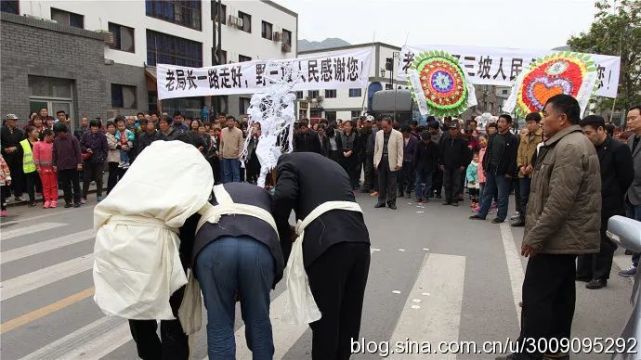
[(443, 82)]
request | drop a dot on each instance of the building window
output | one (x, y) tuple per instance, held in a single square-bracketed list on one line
[(287, 37), (242, 58), (330, 116), (389, 87), (167, 49), (222, 57), (123, 37), (267, 30), (330, 94), (9, 6), (223, 12), (354, 92), (356, 114), (123, 96), (243, 105), (313, 93), (67, 18), (299, 95), (247, 21), (185, 13)]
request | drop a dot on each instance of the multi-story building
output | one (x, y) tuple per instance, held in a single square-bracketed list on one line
[(97, 58), (349, 103)]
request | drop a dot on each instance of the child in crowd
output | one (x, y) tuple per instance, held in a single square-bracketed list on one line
[(125, 138), (473, 182), (43, 156), (5, 183)]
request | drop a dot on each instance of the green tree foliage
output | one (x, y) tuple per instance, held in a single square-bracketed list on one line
[(616, 30)]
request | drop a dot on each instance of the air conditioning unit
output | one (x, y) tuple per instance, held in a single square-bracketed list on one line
[(277, 36), (109, 38), (309, 98), (286, 48), (235, 21), (319, 99)]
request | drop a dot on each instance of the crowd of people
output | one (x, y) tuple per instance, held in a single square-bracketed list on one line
[(568, 176)]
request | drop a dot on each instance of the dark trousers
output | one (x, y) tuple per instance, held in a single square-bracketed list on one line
[(437, 181), (68, 179), (452, 184), (5, 193), (337, 280), (18, 181), (386, 182), (368, 172), (115, 174), (408, 178), (493, 184), (350, 164), (92, 172), (31, 180), (173, 343), (518, 202), (597, 266), (524, 190), (549, 296)]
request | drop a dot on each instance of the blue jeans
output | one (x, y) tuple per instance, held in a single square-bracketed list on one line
[(492, 184), (423, 184), (225, 267), (231, 170), (524, 188)]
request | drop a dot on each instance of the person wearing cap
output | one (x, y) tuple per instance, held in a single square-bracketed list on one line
[(10, 137), (455, 155)]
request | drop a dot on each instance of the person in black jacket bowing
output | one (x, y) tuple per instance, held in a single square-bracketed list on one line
[(335, 246)]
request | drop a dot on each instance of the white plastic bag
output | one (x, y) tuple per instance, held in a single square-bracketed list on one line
[(190, 312)]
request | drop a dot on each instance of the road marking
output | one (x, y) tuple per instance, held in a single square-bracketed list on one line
[(45, 311), (285, 335), (514, 267), (438, 317), (26, 230), (45, 276), (41, 247), (49, 214), (101, 336)]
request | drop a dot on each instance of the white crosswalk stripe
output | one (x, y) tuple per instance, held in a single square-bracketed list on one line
[(514, 266), (27, 230), (45, 246), (92, 341), (432, 311), (45, 276)]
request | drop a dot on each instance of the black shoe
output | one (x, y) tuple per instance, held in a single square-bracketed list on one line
[(497, 221), (596, 284), (455, 203), (68, 205), (584, 278), (379, 205), (392, 206), (518, 223), (447, 203), (476, 217), (32, 204), (77, 205), (401, 194), (438, 196)]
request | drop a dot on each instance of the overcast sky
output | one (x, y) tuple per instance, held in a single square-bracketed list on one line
[(537, 24)]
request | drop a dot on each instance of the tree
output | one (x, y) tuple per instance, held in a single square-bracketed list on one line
[(616, 30)]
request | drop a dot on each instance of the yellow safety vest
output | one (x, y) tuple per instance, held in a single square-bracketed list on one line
[(28, 166)]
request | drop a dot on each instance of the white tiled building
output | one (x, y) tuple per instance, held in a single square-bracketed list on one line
[(349, 103), (144, 33)]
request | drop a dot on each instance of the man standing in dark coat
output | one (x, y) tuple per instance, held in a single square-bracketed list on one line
[(306, 139), (10, 137), (335, 246), (617, 172), (455, 155), (407, 178)]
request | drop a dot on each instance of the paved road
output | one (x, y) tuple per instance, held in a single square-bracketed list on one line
[(435, 276)]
